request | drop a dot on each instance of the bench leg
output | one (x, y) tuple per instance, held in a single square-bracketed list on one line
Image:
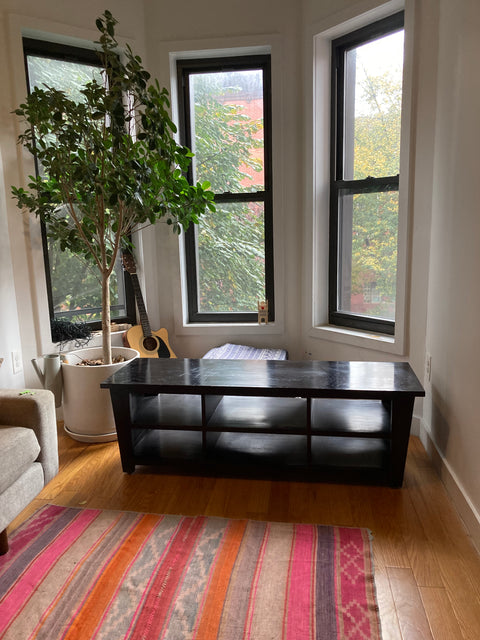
[(3, 542), (401, 416)]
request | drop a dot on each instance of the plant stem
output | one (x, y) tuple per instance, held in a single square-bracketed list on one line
[(106, 335)]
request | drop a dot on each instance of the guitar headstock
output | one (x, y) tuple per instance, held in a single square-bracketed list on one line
[(129, 263)]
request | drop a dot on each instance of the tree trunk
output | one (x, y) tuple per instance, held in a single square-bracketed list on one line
[(106, 335)]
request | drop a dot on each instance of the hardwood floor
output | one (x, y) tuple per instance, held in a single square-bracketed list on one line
[(427, 572)]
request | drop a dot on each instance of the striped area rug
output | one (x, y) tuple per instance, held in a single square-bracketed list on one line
[(87, 573)]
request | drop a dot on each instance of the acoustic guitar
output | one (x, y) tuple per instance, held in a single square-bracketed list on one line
[(150, 344)]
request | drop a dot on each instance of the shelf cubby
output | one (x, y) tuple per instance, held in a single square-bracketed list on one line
[(350, 417), (259, 415), (170, 411)]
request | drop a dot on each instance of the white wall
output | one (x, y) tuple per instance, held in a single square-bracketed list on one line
[(453, 337), (9, 326)]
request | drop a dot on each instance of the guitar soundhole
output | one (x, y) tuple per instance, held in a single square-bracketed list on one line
[(153, 344), (149, 343)]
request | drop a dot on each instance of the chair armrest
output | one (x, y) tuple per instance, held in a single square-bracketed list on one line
[(35, 410)]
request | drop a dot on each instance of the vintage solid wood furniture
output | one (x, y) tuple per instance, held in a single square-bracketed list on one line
[(309, 419)]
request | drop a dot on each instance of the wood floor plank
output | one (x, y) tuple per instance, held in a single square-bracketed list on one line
[(96, 462), (457, 559), (389, 511), (218, 500), (438, 516), (440, 614), (279, 501), (361, 506), (422, 558), (248, 498), (461, 588), (298, 503), (322, 502), (339, 505), (151, 493), (191, 502), (386, 606), (411, 614)]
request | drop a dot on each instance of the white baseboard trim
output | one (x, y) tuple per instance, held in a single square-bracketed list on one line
[(454, 488), (416, 426)]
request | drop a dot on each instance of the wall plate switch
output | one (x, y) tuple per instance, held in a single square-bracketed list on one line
[(17, 362)]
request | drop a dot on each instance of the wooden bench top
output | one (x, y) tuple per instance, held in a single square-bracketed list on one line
[(347, 379)]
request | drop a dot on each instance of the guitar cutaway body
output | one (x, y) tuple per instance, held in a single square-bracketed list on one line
[(154, 346)]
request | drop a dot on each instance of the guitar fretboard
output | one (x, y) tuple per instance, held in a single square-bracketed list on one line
[(142, 312)]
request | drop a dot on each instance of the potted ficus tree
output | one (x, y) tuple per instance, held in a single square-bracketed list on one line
[(109, 163)]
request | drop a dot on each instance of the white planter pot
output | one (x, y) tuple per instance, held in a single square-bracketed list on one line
[(87, 409)]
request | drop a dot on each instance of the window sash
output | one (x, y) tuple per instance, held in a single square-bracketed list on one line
[(185, 68), (67, 53), (340, 186)]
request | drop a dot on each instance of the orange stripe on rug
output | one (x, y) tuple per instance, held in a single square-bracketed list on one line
[(212, 607), (95, 605)]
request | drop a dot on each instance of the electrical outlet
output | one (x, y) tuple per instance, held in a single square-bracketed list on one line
[(17, 362), (428, 367)]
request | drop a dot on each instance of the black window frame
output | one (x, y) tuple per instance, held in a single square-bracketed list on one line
[(185, 67), (340, 186), (69, 53)]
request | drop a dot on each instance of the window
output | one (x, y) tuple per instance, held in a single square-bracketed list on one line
[(74, 289), (225, 120), (367, 69)]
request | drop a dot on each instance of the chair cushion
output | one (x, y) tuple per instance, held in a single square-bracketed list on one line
[(19, 448), (243, 352)]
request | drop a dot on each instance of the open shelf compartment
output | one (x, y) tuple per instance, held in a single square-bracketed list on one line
[(155, 446), (351, 417), (167, 411), (259, 415), (350, 453)]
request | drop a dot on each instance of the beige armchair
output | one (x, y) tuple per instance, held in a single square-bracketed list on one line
[(28, 451)]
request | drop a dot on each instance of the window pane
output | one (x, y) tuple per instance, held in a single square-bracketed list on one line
[(231, 258), (368, 254), (61, 74), (227, 130), (373, 101), (75, 287)]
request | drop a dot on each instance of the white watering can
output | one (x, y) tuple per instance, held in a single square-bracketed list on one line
[(51, 376)]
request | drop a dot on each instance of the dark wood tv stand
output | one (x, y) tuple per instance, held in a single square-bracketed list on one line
[(308, 420)]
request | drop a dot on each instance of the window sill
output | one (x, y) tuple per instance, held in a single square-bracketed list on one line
[(357, 338), (229, 329)]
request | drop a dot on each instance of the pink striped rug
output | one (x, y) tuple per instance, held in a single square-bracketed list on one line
[(88, 573)]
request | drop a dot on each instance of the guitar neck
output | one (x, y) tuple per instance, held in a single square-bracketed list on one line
[(142, 312)]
